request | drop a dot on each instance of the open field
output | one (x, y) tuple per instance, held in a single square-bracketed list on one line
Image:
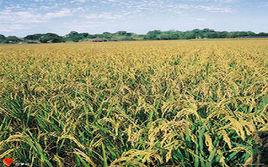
[(149, 103)]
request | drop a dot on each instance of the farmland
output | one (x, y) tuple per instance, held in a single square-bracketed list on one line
[(147, 103)]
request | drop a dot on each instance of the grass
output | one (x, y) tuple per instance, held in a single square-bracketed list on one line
[(155, 103)]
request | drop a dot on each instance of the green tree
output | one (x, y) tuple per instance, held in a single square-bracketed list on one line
[(155, 34), (12, 39), (73, 36), (34, 37), (51, 38), (2, 38), (262, 34)]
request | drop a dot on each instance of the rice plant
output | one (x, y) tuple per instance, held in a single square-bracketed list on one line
[(157, 103)]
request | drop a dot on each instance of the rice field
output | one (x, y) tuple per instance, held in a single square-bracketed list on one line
[(148, 103)]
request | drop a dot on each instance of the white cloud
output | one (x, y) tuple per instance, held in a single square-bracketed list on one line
[(31, 17), (83, 14), (78, 1), (214, 9), (57, 14), (104, 15), (14, 21)]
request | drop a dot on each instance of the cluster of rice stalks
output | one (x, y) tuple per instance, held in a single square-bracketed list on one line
[(177, 103)]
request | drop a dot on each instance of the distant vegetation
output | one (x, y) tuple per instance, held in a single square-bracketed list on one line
[(127, 36)]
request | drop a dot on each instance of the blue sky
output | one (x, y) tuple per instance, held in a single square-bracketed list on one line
[(22, 17)]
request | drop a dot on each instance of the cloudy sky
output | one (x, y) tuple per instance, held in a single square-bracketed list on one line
[(21, 17)]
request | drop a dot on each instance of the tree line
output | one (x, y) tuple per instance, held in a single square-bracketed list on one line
[(74, 36)]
